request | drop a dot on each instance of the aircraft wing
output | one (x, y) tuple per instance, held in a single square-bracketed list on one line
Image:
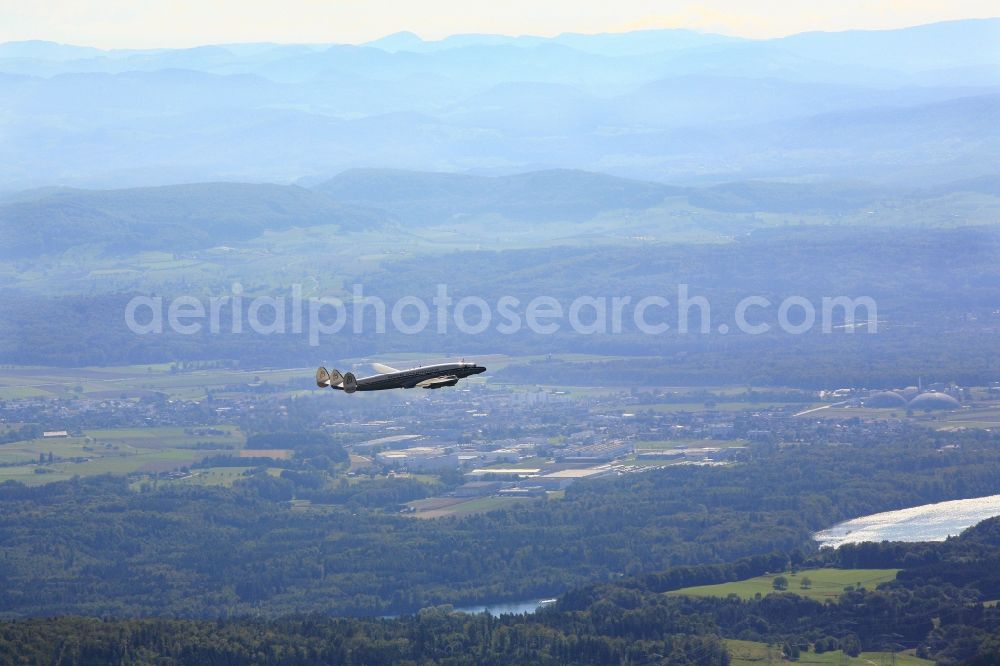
[(383, 369), (438, 382)]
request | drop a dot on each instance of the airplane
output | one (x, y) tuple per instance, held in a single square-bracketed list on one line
[(427, 376)]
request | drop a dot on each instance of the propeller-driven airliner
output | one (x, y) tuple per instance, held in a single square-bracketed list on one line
[(427, 376)]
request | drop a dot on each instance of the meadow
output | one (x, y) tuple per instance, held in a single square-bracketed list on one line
[(824, 583), (438, 507), (749, 653), (134, 381), (113, 451)]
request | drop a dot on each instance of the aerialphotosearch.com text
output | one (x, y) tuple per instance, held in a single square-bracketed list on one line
[(683, 312)]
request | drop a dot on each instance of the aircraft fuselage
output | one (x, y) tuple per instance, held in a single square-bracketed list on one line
[(427, 376)]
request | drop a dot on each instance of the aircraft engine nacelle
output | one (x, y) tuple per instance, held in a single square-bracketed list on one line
[(350, 383)]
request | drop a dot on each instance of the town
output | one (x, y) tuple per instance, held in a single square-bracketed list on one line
[(508, 444)]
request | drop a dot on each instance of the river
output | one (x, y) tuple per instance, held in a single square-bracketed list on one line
[(496, 610), (928, 522), (508, 608)]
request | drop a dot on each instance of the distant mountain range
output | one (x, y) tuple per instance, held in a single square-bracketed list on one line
[(178, 218), (916, 105), (169, 218), (427, 198)]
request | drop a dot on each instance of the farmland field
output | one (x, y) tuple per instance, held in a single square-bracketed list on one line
[(749, 653), (445, 507), (113, 451), (135, 381), (825, 583), (214, 476)]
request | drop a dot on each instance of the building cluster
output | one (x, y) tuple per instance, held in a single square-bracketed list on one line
[(75, 415), (511, 443), (938, 396), (528, 482), (934, 396)]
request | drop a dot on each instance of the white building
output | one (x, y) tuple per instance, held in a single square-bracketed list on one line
[(418, 458)]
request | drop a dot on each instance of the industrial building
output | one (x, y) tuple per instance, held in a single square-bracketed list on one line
[(418, 459), (479, 489), (597, 453), (561, 479)]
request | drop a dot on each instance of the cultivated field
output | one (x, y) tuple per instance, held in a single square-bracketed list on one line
[(825, 583), (748, 653), (125, 382), (114, 451), (441, 507)]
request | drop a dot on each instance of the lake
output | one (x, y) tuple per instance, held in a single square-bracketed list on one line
[(509, 608), (928, 522), (496, 610)]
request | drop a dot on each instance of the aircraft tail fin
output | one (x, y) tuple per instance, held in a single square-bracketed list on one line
[(350, 383)]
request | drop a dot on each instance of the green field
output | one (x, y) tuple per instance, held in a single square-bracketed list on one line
[(214, 476), (125, 382), (826, 583), (28, 476), (748, 653), (483, 504), (464, 508), (981, 416), (168, 436), (114, 451)]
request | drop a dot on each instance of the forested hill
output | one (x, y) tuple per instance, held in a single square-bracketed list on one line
[(179, 218), (904, 106), (933, 610), (936, 292), (559, 194), (423, 197), (99, 547), (167, 218)]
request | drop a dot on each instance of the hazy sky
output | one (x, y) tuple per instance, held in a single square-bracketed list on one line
[(152, 23)]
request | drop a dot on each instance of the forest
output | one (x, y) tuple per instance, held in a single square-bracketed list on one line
[(101, 547), (931, 609), (935, 289)]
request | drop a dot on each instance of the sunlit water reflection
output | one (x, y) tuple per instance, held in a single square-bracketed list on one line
[(928, 522)]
